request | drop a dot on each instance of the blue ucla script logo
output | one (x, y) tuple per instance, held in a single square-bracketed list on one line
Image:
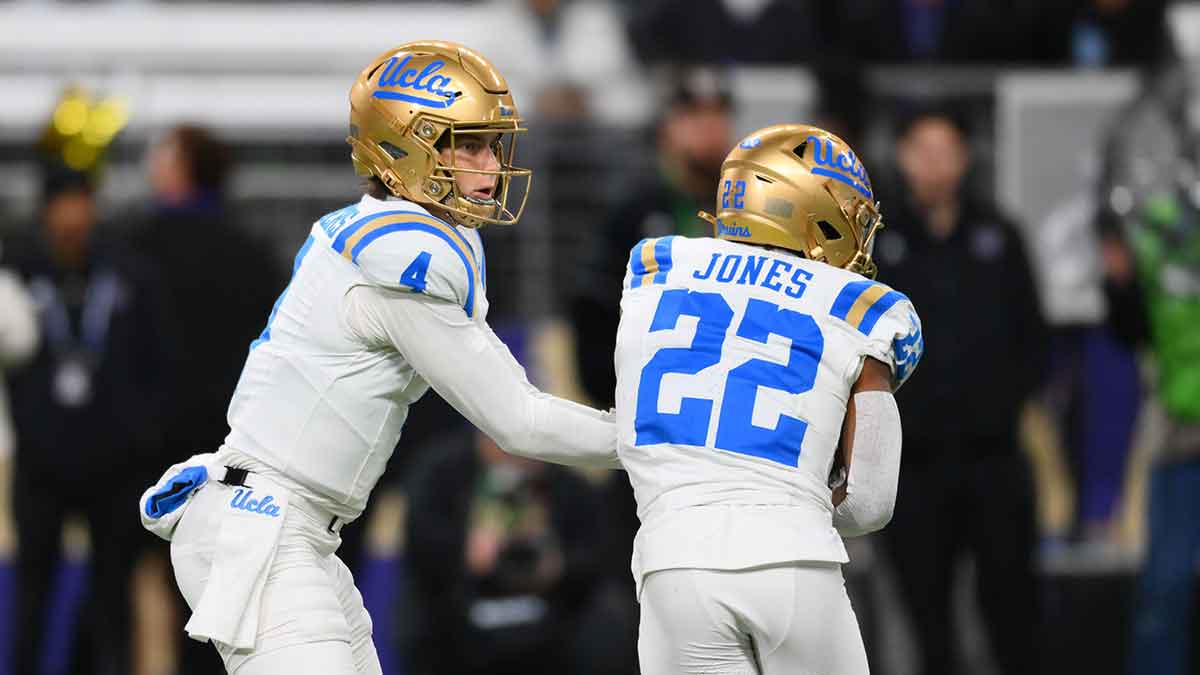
[(908, 349), (396, 75), (845, 168), (751, 143), (242, 500), (733, 231)]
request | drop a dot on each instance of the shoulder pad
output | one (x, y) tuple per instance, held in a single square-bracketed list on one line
[(888, 322), (410, 250), (649, 262)]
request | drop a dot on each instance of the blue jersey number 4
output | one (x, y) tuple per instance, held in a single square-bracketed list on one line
[(736, 431)]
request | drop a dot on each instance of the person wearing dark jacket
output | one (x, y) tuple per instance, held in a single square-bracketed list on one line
[(219, 282), (503, 556), (89, 416), (965, 485), (694, 135)]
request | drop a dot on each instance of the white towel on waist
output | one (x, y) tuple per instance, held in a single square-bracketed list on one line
[(228, 610)]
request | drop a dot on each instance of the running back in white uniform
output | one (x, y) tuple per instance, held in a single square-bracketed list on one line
[(734, 367)]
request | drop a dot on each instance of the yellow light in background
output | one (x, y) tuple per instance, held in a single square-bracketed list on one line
[(79, 155), (71, 115), (105, 120)]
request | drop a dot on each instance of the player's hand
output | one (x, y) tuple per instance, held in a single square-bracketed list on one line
[(839, 495)]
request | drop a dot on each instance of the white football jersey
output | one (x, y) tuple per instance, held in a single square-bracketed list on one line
[(314, 401), (734, 367)]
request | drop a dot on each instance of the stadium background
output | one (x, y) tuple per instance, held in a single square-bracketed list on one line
[(592, 79)]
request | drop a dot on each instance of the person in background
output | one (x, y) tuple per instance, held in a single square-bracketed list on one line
[(89, 415), (1158, 255), (693, 135), (965, 484), (1150, 244), (504, 555), (215, 311), (730, 31), (18, 340)]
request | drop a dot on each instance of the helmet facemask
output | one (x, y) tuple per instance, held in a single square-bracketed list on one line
[(443, 185)]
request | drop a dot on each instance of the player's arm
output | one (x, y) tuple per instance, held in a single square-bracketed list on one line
[(471, 369), (870, 449)]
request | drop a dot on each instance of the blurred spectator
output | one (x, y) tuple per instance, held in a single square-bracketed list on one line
[(18, 340), (576, 55), (693, 135), (1151, 256), (929, 31), (965, 485), (219, 283), (1094, 389), (219, 280), (89, 415), (728, 31), (503, 558), (1098, 33)]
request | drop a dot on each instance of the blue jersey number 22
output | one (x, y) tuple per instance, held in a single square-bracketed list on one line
[(735, 430)]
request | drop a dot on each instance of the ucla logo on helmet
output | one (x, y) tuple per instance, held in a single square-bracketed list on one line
[(424, 87), (845, 168), (750, 143)]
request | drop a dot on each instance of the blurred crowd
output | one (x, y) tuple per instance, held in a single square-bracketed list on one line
[(123, 332)]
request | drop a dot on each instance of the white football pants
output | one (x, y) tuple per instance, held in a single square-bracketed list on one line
[(312, 618), (792, 619)]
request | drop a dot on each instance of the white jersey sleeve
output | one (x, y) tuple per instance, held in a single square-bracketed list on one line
[(482, 380), (411, 251), (886, 322)]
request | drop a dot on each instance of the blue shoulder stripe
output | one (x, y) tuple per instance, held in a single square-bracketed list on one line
[(437, 232), (662, 255), (636, 264), (650, 258), (878, 309), (339, 243), (862, 303), (845, 300)]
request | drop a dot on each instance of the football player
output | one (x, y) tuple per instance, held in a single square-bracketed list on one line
[(753, 369), (387, 299)]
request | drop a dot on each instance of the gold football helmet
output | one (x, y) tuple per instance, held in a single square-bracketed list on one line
[(801, 188), (420, 97)]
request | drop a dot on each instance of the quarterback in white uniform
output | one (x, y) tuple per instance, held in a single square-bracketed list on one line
[(753, 370), (387, 298)]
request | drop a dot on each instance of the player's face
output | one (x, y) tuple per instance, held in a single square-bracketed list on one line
[(478, 152)]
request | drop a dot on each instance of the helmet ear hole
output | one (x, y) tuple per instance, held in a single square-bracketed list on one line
[(831, 233), (393, 151)]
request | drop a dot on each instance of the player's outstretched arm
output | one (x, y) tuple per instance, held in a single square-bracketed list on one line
[(872, 425), (468, 366)]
